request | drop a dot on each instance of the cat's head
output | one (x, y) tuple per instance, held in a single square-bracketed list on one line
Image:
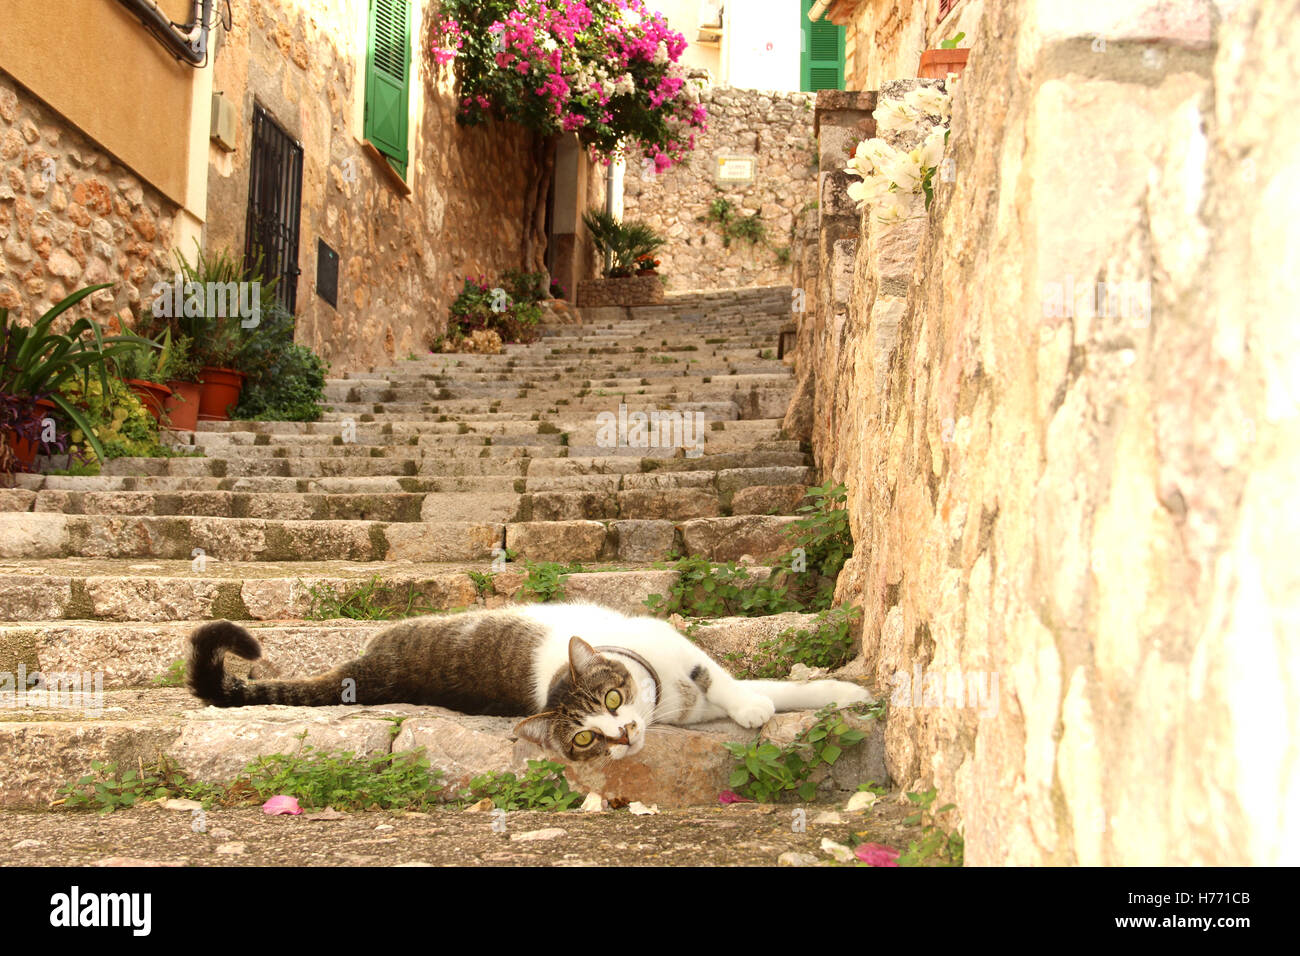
[(595, 710)]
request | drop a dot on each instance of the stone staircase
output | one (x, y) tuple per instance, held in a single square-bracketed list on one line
[(417, 484)]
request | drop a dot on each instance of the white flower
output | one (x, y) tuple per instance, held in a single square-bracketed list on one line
[(891, 212), (930, 100), (874, 151), (625, 84), (932, 148), (661, 53), (870, 191), (895, 116), (903, 170)]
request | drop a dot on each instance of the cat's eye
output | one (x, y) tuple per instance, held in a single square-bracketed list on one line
[(613, 700), (583, 738)]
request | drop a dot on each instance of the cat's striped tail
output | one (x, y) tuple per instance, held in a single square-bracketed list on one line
[(207, 679)]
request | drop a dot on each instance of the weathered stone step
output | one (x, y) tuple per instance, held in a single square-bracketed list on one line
[(160, 591), (50, 747), (140, 654), (669, 496)]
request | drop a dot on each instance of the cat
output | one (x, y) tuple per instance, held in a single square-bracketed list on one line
[(590, 680)]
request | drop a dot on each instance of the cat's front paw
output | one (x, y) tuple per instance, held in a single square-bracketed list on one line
[(753, 711), (843, 693)]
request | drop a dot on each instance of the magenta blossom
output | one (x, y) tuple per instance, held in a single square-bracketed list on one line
[(282, 805), (876, 854)]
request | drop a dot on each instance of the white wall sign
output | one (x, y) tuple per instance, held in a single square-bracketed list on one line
[(735, 169)]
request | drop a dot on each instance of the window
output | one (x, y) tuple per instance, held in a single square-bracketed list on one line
[(821, 53), (274, 201), (388, 67)]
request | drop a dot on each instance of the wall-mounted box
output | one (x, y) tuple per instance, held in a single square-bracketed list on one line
[(223, 122)]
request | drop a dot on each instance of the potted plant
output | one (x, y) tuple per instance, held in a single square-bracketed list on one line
[(202, 310), (143, 368), (182, 406), (35, 362), (647, 265), (937, 64), (627, 247)]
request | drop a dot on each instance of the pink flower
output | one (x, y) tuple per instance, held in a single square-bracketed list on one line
[(877, 854), (282, 805), (730, 796)]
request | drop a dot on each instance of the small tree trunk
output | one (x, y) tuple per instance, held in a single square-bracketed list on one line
[(533, 247)]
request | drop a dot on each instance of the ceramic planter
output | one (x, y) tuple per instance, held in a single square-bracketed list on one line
[(937, 64), (221, 388), (182, 407), (152, 395)]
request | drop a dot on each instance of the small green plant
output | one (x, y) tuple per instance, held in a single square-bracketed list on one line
[(482, 581), (827, 643), (370, 601), (732, 226), (706, 589), (344, 781), (545, 580), (766, 772), (107, 788), (542, 787), (821, 542), (951, 42), (937, 847), (174, 676)]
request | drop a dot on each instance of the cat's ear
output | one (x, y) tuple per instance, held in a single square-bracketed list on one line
[(536, 729), (581, 656)]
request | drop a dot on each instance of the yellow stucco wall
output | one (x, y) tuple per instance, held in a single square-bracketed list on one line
[(93, 61)]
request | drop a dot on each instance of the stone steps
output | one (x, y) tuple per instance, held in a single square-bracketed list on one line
[(450, 463), (50, 746), (139, 654), (179, 537)]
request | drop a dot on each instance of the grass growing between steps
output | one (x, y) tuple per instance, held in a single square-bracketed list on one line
[(374, 600), (318, 779)]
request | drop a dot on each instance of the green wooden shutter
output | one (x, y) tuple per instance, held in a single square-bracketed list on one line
[(821, 53), (388, 68)]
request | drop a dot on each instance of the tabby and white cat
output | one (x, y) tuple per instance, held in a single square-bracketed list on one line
[(592, 679)]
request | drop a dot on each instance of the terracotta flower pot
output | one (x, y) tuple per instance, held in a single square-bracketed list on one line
[(152, 395), (25, 450), (182, 408), (937, 64), (221, 388)]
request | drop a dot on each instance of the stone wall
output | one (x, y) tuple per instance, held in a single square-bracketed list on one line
[(884, 41), (71, 215), (774, 129), (1084, 501), (402, 259)]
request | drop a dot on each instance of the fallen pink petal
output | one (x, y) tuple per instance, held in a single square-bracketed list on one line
[(730, 796), (877, 854), (282, 805)]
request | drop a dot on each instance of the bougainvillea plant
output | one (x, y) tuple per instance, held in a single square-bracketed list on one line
[(604, 69)]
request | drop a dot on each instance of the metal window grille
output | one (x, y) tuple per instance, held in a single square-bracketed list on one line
[(274, 200), (945, 6)]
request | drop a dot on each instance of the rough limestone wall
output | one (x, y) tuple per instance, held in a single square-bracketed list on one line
[(71, 215), (1093, 506), (773, 128), (401, 259)]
